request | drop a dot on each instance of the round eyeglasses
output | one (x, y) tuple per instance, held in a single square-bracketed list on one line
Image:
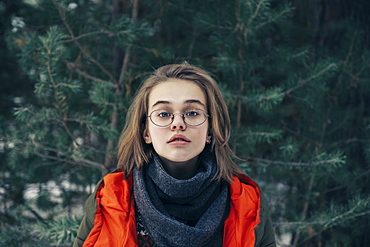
[(191, 117)]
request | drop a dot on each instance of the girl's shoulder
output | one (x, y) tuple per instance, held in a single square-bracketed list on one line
[(243, 188), (114, 178)]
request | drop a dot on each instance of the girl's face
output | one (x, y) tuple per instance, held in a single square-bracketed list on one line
[(178, 142)]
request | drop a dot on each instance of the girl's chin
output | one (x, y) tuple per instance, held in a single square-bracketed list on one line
[(178, 159)]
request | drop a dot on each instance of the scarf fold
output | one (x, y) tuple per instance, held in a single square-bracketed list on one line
[(182, 213)]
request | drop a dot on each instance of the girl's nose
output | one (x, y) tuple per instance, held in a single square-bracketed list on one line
[(178, 122)]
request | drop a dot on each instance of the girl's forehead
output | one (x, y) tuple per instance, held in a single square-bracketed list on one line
[(175, 92)]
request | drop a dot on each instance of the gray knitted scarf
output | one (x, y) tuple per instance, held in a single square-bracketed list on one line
[(182, 213)]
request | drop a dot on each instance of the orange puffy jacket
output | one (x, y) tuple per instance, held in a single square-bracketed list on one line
[(110, 215)]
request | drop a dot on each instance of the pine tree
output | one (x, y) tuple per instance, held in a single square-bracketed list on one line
[(66, 137), (296, 85)]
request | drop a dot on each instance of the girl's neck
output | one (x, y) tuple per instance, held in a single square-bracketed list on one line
[(181, 170)]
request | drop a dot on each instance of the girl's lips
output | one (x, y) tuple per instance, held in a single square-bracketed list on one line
[(178, 139)]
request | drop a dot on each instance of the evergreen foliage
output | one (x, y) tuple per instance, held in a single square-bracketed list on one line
[(296, 82)]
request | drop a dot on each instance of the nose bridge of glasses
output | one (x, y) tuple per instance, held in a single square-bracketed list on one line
[(178, 113)]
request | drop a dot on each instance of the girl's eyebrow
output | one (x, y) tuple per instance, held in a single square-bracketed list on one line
[(194, 101), (161, 102), (189, 101)]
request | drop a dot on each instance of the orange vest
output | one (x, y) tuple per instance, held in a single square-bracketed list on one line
[(115, 224)]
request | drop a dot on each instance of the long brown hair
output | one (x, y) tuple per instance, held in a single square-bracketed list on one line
[(132, 149)]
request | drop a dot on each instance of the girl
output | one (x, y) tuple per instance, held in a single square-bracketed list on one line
[(176, 184)]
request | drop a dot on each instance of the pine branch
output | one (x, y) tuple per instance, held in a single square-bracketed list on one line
[(74, 67), (109, 33), (305, 207), (58, 120), (302, 224), (276, 94), (334, 160), (75, 160), (37, 215), (327, 220), (337, 220), (83, 50), (301, 83), (58, 151), (89, 124), (340, 217), (80, 162), (256, 10), (126, 59), (124, 68), (59, 232), (274, 19), (342, 186), (110, 143)]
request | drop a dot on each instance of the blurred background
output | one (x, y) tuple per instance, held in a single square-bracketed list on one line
[(295, 75)]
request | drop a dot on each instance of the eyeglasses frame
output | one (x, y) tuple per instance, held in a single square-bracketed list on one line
[(183, 117)]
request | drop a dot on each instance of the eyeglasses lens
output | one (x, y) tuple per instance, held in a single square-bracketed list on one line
[(192, 117)]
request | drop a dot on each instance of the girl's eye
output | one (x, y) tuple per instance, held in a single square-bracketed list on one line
[(192, 113), (164, 114)]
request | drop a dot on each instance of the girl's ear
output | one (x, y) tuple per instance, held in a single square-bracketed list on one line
[(147, 137), (209, 136), (208, 140)]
